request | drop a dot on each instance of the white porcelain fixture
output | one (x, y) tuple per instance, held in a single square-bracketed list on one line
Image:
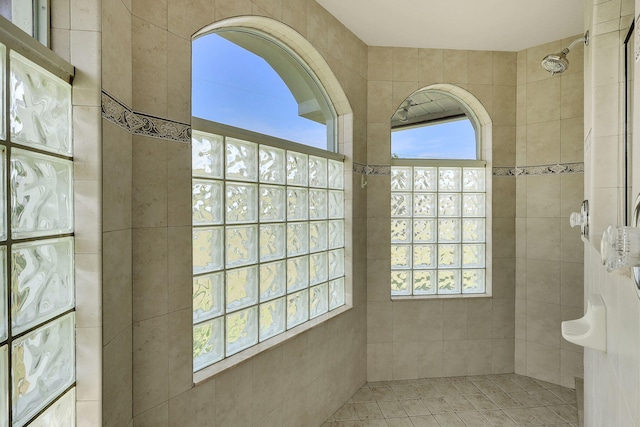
[(591, 329)]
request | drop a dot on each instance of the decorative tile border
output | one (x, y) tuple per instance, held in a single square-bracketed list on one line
[(559, 168), (156, 127), (371, 169), (143, 124)]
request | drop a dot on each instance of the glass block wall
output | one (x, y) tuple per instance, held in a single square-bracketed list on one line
[(37, 323), (268, 242), (437, 230)]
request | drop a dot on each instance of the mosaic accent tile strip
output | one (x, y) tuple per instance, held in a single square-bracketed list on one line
[(559, 168), (371, 169), (143, 124)]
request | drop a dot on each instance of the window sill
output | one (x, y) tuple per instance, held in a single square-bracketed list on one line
[(438, 297), (208, 373)]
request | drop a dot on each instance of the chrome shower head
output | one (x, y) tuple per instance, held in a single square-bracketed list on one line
[(557, 62)]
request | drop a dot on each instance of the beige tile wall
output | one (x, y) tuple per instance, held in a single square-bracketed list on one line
[(76, 37), (549, 253), (147, 238), (612, 379), (427, 338)]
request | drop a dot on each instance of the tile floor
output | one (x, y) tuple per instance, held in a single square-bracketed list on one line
[(472, 401)]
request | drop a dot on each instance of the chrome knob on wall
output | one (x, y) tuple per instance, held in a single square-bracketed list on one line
[(581, 218)]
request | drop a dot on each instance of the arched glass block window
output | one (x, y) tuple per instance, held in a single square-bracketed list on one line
[(268, 198), (438, 199)]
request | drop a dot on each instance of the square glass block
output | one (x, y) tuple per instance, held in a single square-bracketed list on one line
[(318, 239), (336, 263), (297, 204), (425, 179), (42, 284), (297, 308), (449, 179), (3, 127), (242, 330), (401, 178), (336, 234), (297, 168), (242, 245), (208, 249), (473, 205), (424, 204), (424, 231), (208, 296), (207, 160), (318, 172), (424, 282), (318, 271), (271, 165), (272, 203), (242, 160), (400, 231), (449, 230), (473, 180), (43, 366), (208, 343), (61, 414), (448, 281), (273, 280), (336, 174), (318, 300), (318, 204), (3, 188), (473, 256), (273, 318), (336, 204), (297, 273), (337, 296), (424, 256), (4, 386), (401, 256), (473, 230), (4, 287), (241, 203), (40, 113), (206, 202), (242, 288), (473, 281), (272, 242), (297, 238), (401, 205), (401, 282), (448, 204), (41, 195), (448, 256)]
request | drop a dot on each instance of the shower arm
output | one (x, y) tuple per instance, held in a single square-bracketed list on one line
[(584, 40)]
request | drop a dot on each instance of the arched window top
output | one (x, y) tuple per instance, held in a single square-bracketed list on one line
[(260, 85), (434, 124)]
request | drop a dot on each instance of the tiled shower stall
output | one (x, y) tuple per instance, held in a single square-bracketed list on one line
[(132, 61)]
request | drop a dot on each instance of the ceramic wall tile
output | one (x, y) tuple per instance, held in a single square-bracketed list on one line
[(380, 63), (149, 68)]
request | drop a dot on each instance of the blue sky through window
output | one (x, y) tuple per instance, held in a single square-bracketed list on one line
[(232, 85), (449, 140)]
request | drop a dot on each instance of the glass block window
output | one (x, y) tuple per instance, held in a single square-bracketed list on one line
[(437, 230), (37, 318), (268, 241)]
